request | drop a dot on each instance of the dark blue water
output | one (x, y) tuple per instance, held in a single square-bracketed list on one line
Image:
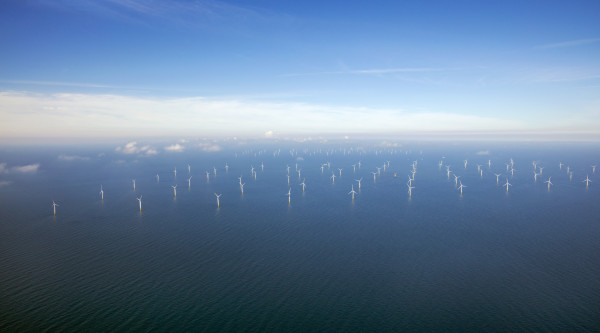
[(488, 260)]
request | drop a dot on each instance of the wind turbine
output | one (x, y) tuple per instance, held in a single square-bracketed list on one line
[(140, 201), (189, 169), (288, 179), (322, 166), (535, 176), (354, 167), (409, 190), (461, 187), (358, 180), (262, 166), (340, 171), (190, 182), (289, 194), (175, 172), (242, 187), (497, 177), (507, 184), (240, 179), (303, 185), (226, 167), (593, 169), (214, 171), (456, 179), (133, 181), (157, 178), (352, 192), (379, 171), (174, 190), (54, 204), (299, 173), (374, 176), (218, 196), (549, 182), (101, 192), (541, 170), (587, 181), (489, 163), (448, 171), (207, 176), (333, 178), (288, 169), (465, 164)]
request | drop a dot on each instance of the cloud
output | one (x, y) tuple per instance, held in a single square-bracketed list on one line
[(269, 134), (40, 115), (3, 168), (4, 183), (483, 152), (65, 157), (376, 71), (175, 148), (209, 147), (133, 148), (570, 43), (29, 168)]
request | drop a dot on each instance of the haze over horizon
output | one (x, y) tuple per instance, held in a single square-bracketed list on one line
[(128, 69)]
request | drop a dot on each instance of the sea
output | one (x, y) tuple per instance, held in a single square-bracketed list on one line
[(486, 260)]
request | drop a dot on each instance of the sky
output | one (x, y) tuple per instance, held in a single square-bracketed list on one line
[(147, 68)]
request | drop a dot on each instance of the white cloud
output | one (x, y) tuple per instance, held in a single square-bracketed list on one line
[(29, 168), (175, 148), (483, 152), (209, 147), (269, 134), (65, 157), (4, 183), (88, 115), (133, 148), (3, 168)]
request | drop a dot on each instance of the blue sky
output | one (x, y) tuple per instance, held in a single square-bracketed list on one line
[(133, 67)]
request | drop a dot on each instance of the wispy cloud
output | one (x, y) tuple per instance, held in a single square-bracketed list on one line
[(69, 158), (570, 43), (87, 115), (4, 183), (133, 148), (209, 147), (483, 152), (29, 168), (374, 71), (177, 148)]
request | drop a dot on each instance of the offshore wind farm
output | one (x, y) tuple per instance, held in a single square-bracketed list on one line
[(314, 166), (224, 261)]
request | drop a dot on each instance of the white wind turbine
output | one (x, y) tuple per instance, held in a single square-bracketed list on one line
[(218, 196), (226, 167), (448, 171), (549, 182), (456, 179), (190, 182), (587, 181), (174, 190), (289, 194), (535, 176), (140, 201), (340, 171), (299, 173), (497, 177), (175, 172), (214, 171), (461, 187), (333, 178), (303, 185), (54, 204), (410, 187), (358, 180), (242, 187), (507, 184), (374, 176), (353, 192), (157, 178), (465, 164), (101, 193), (593, 169), (354, 168), (133, 181)]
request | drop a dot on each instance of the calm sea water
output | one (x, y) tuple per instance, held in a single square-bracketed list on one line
[(488, 260)]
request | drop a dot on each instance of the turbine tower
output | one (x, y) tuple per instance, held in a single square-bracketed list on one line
[(140, 201), (353, 192), (218, 196), (54, 204)]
